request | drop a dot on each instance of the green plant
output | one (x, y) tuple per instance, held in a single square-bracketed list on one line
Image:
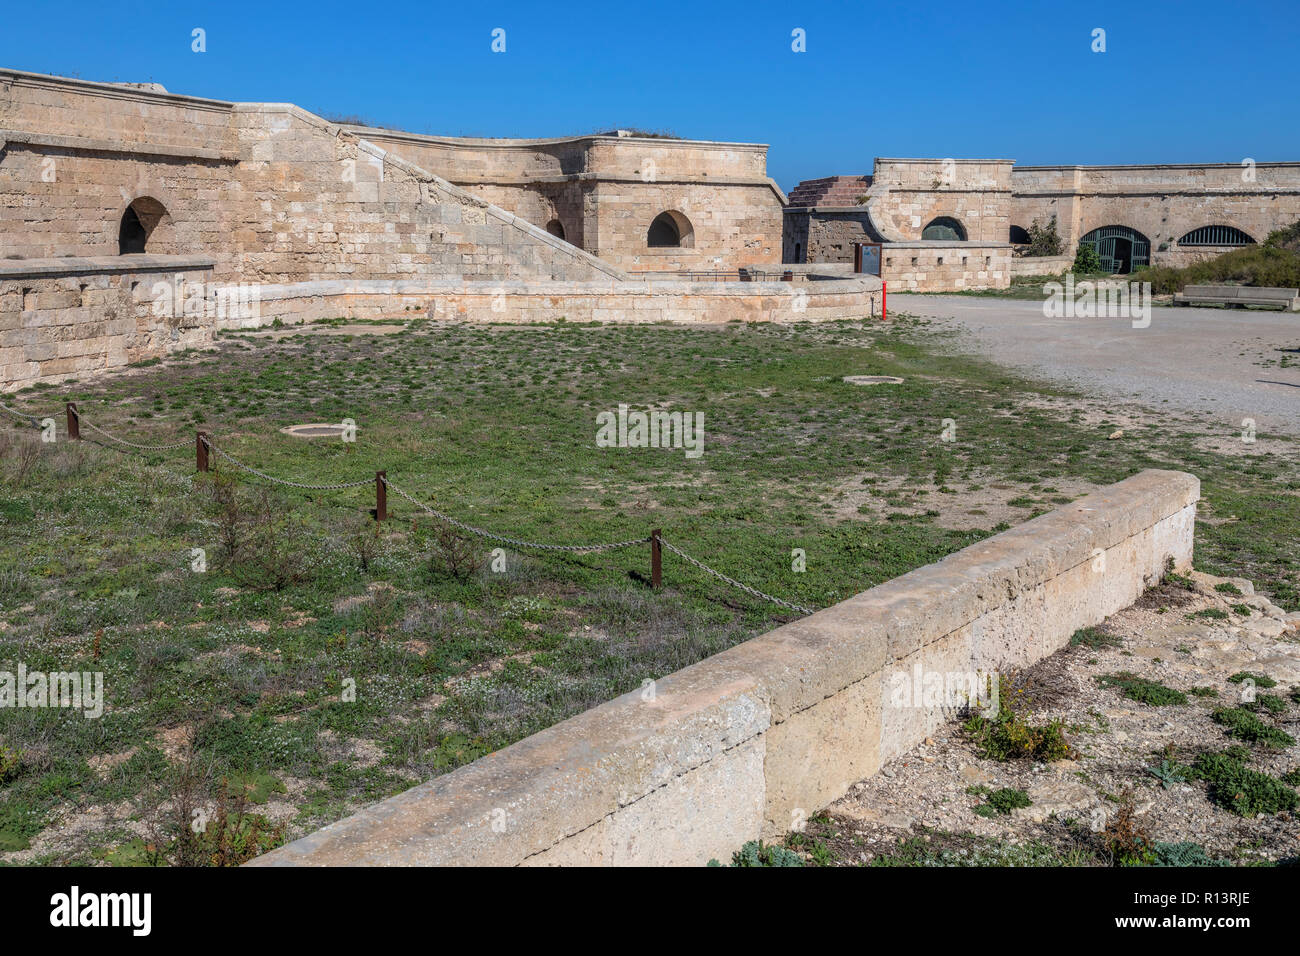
[(1240, 790), (11, 764), (758, 853), (1261, 680), (1002, 802), (1094, 637), (1227, 587), (1143, 690), (1124, 839), (1243, 724), (1169, 772), (1184, 854), (1044, 240), (1008, 736), (1086, 260)]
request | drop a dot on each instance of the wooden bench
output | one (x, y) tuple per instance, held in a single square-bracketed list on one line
[(1240, 296)]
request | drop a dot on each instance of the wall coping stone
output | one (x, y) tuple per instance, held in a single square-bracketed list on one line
[(94, 265)]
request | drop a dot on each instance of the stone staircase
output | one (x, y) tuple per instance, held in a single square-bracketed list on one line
[(830, 191)]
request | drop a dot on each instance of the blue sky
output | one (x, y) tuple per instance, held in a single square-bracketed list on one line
[(1192, 81)]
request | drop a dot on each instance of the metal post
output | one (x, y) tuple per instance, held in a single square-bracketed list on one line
[(381, 496), (656, 560), (787, 275), (884, 301), (857, 257), (201, 451), (74, 422)]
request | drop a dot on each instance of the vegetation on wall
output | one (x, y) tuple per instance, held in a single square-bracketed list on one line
[(1274, 263)]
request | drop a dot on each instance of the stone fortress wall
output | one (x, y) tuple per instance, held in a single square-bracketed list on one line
[(270, 195), (995, 202)]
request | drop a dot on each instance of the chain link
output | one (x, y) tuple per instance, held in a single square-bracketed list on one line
[(30, 419), (131, 444), (280, 481), (732, 581), (571, 548)]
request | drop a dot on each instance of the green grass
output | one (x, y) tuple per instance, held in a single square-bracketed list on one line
[(496, 426)]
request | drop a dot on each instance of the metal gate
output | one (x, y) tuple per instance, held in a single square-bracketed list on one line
[(1120, 248)]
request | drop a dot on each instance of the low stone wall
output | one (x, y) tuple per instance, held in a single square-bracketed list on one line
[(1041, 265), (934, 266), (78, 316), (741, 745), (648, 300)]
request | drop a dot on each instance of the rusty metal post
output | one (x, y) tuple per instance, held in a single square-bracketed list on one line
[(201, 451), (656, 560), (787, 275), (74, 422), (381, 496), (884, 300), (857, 257)]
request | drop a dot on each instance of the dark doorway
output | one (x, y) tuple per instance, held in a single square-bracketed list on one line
[(663, 233), (555, 228), (131, 235)]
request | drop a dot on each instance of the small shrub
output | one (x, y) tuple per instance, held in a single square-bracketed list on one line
[(758, 853), (1210, 614), (1240, 790), (1184, 854), (1094, 637), (1002, 802), (452, 554), (1170, 772), (11, 764), (1243, 724), (1086, 260), (1008, 736), (1044, 239), (1261, 680), (1142, 690), (1227, 587), (1125, 840)]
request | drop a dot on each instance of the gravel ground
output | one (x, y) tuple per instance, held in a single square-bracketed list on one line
[(1160, 638), (1221, 363)]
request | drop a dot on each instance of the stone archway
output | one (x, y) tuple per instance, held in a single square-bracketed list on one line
[(137, 226), (670, 230), (944, 229)]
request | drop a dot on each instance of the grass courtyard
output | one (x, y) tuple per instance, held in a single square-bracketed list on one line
[(320, 661)]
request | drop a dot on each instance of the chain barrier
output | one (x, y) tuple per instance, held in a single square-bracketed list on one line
[(571, 548), (732, 581), (30, 419), (454, 522), (130, 444), (280, 481)]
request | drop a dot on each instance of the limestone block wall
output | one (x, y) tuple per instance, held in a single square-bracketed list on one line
[(826, 234), (607, 189), (946, 266), (80, 316), (1163, 202), (1041, 265), (812, 299), (907, 194), (742, 744)]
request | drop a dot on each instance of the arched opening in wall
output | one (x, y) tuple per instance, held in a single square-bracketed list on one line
[(670, 230), (1020, 236), (138, 223), (1216, 236), (945, 229), (1120, 248), (555, 228)]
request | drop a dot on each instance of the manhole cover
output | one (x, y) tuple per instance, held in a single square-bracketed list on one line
[(873, 380), (315, 431)]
